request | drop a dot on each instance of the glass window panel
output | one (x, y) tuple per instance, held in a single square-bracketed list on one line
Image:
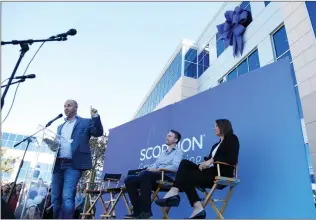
[(201, 55), (221, 81), (159, 96), (253, 61), (162, 81), (311, 8), (298, 102), (244, 4), (242, 68), (22, 173), (12, 137), (170, 81), (19, 138), (149, 103), (200, 69), (178, 59), (3, 142), (166, 82), (5, 136), (26, 164), (232, 74), (191, 55), (266, 3), (287, 54), (23, 145), (190, 70), (220, 47), (159, 86), (281, 43), (177, 74), (206, 60), (146, 107), (10, 144)]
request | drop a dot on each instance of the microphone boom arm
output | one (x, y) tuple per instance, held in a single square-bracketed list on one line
[(19, 81)]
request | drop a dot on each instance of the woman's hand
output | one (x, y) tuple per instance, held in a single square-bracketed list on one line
[(206, 164), (203, 166)]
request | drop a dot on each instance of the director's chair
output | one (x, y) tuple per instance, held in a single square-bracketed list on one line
[(98, 190), (220, 183), (163, 186)]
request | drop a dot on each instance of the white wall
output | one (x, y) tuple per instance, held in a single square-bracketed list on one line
[(173, 96), (185, 87)]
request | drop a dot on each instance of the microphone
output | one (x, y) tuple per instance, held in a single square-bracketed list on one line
[(31, 76), (71, 32), (50, 122)]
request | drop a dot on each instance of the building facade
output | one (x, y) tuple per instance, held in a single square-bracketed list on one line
[(276, 30), (34, 153)]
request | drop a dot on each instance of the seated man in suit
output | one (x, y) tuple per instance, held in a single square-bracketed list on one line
[(139, 187)]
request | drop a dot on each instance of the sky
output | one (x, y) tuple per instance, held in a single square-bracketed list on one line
[(119, 51)]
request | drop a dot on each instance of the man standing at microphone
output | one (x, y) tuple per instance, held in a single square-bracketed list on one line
[(73, 157)]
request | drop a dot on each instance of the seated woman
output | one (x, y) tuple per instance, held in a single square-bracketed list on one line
[(191, 175)]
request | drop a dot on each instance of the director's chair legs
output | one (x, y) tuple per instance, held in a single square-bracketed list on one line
[(110, 211), (164, 211), (90, 212), (208, 199), (129, 210)]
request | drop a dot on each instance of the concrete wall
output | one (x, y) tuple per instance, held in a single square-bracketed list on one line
[(303, 49), (185, 87)]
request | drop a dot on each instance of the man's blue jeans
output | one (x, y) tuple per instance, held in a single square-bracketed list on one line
[(65, 180)]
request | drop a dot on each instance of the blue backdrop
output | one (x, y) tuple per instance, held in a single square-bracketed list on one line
[(273, 165)]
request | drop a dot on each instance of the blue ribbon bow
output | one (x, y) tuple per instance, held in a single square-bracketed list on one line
[(232, 30)]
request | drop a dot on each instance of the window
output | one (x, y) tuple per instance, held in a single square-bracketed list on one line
[(232, 75), (253, 61), (10, 144), (246, 5), (281, 44), (190, 60), (282, 50), (221, 81), (311, 8), (12, 137), (203, 61), (220, 45), (169, 78), (19, 138), (249, 64), (266, 3), (5, 136)]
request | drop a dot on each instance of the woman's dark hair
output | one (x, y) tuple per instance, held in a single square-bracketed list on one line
[(225, 127)]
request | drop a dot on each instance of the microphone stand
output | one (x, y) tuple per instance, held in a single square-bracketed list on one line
[(28, 139), (24, 48), (21, 80)]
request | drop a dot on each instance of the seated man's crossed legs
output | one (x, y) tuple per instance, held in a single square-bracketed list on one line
[(139, 189)]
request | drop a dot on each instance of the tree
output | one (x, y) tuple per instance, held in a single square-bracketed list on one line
[(98, 148), (7, 163)]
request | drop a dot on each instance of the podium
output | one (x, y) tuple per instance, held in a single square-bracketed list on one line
[(35, 192)]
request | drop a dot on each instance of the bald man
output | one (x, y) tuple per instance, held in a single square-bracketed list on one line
[(73, 157)]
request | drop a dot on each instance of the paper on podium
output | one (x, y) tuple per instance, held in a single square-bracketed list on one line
[(34, 195)]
